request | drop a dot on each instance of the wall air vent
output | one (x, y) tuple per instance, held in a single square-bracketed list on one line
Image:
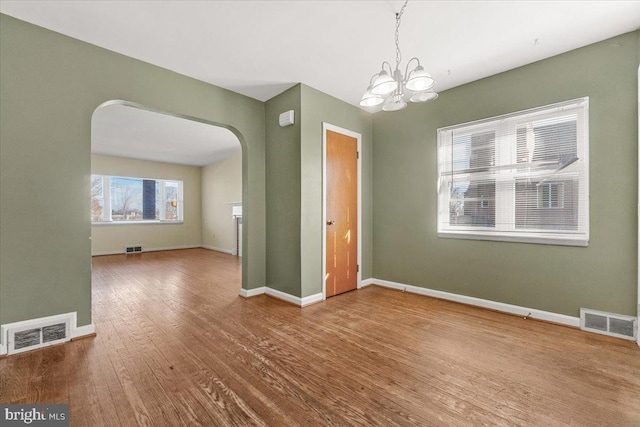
[(54, 332), (615, 325), (286, 118), (37, 333), (133, 249), (28, 338)]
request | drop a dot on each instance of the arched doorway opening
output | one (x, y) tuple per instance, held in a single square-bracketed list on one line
[(162, 181)]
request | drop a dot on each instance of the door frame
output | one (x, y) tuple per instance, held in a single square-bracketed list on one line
[(329, 127)]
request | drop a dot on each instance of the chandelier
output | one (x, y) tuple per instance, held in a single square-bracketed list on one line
[(388, 86)]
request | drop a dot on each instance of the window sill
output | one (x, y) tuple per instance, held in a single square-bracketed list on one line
[(115, 223), (547, 239)]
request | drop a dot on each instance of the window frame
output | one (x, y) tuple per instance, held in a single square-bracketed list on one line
[(107, 208), (504, 126)]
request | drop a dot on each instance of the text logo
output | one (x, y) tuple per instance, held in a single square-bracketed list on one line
[(34, 415)]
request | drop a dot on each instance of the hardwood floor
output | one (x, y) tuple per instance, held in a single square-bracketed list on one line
[(176, 346)]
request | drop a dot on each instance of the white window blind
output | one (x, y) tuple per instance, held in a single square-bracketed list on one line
[(520, 177)]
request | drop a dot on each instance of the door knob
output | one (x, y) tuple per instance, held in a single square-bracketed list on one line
[(331, 222)]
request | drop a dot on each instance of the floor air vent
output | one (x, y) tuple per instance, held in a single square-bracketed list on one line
[(615, 325), (37, 333), (133, 249)]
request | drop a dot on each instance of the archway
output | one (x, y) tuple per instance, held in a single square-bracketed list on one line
[(152, 175)]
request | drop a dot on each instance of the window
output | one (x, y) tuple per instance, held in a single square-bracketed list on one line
[(117, 199), (521, 177)]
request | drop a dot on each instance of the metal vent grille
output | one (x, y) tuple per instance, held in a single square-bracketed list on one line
[(54, 332), (26, 338), (616, 325), (133, 249), (621, 327), (595, 321)]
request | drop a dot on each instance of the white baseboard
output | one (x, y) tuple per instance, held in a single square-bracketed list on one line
[(144, 249), (170, 248), (311, 299), (252, 292), (167, 248), (300, 302), (212, 248), (479, 302), (283, 296), (366, 282), (83, 331)]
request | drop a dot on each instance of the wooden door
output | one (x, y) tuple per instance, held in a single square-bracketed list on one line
[(342, 213)]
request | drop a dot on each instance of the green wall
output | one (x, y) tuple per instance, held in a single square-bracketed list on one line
[(50, 86), (554, 278), (294, 187), (283, 193)]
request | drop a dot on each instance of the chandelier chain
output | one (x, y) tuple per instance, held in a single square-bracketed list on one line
[(398, 19)]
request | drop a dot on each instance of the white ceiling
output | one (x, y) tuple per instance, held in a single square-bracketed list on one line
[(261, 48), (124, 131)]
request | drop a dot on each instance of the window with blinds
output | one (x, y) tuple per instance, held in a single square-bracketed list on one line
[(522, 177)]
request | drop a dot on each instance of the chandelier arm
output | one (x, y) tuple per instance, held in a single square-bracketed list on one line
[(388, 65)]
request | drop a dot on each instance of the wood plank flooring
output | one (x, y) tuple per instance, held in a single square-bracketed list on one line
[(177, 346)]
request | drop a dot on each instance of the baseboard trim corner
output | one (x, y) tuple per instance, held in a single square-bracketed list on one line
[(83, 331), (311, 299), (300, 302), (366, 282), (283, 296), (248, 293), (532, 313)]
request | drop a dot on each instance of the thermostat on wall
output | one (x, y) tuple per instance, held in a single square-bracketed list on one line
[(286, 118)]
